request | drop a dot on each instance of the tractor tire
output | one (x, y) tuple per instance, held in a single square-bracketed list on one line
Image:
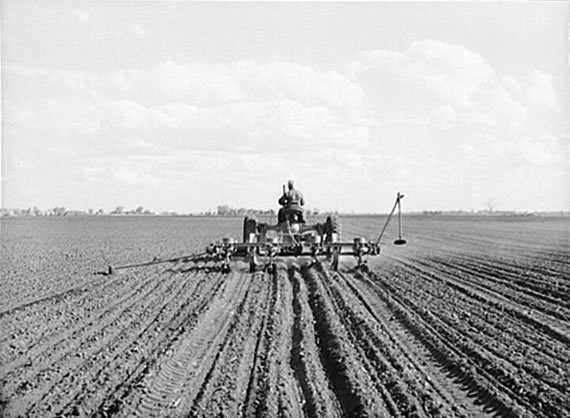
[(321, 229), (252, 267), (335, 259), (332, 226), (252, 261), (249, 227)]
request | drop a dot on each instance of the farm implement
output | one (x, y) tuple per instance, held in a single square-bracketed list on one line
[(262, 244), (295, 238)]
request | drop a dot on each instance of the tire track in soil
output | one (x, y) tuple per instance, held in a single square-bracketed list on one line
[(354, 387), (91, 353), (224, 388), (253, 386), (63, 354), (182, 374), (434, 369), (123, 373)]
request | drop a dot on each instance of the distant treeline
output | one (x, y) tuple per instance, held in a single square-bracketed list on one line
[(221, 210), (487, 213), (62, 211), (226, 210)]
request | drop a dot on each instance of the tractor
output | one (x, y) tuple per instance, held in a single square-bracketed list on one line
[(292, 237), (262, 243)]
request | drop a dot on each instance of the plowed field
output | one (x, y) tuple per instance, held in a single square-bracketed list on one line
[(470, 319)]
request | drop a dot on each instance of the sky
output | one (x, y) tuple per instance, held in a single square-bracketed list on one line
[(183, 106)]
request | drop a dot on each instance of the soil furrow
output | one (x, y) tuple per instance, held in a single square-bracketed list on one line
[(551, 287), (318, 397), (124, 371), (469, 319), (59, 359), (352, 384), (257, 386), (54, 335), (454, 394), (484, 282), (39, 323), (491, 375), (284, 398), (71, 291), (501, 333), (389, 375), (101, 346), (182, 373), (497, 301), (232, 366)]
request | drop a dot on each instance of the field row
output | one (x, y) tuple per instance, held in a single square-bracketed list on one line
[(301, 342)]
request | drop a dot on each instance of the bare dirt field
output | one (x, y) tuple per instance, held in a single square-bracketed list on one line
[(470, 319)]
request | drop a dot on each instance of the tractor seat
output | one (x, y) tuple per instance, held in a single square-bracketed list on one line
[(295, 217), (292, 215)]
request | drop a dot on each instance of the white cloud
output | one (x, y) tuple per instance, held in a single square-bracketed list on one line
[(22, 70), (137, 30), (496, 107), (74, 81), (299, 82), (453, 85), (536, 151), (450, 72), (300, 121), (181, 108), (540, 91), (196, 83), (543, 150), (82, 16), (244, 120), (444, 116), (21, 164), (127, 113), (132, 177), (173, 115)]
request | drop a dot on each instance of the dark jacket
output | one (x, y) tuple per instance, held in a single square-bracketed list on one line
[(292, 199)]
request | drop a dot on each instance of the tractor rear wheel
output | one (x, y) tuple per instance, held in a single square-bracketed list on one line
[(335, 259), (252, 267), (252, 261), (332, 226), (249, 227)]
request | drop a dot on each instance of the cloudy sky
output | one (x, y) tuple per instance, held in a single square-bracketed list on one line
[(182, 106)]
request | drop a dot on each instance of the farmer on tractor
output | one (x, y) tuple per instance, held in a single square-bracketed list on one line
[(292, 202)]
